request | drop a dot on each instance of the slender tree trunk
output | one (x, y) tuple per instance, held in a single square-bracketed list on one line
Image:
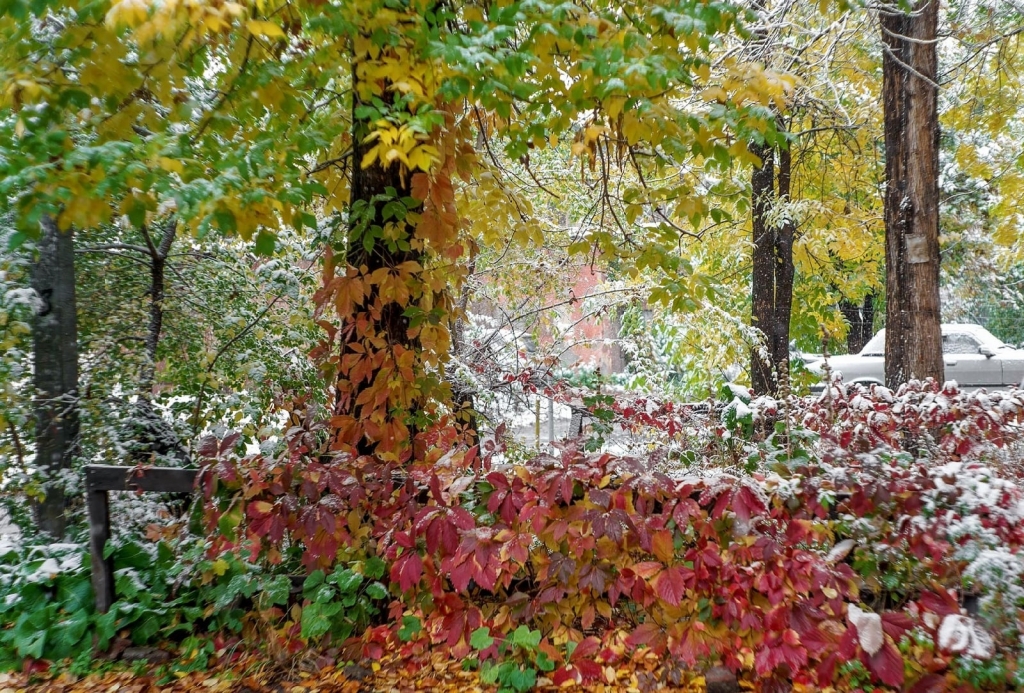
[(783, 271), (55, 342), (762, 299), (913, 341), (158, 253)]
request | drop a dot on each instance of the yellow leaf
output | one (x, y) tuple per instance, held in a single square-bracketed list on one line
[(263, 28), (220, 566), (171, 165), (714, 94)]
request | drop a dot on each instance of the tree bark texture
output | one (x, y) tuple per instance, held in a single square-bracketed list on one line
[(772, 281), (913, 338), (55, 342), (762, 297), (783, 270)]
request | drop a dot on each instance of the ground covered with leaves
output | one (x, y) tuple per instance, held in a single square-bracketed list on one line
[(253, 674)]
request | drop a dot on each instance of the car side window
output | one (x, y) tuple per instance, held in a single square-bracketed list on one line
[(959, 344)]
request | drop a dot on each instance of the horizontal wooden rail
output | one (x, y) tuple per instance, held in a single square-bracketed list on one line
[(100, 479)]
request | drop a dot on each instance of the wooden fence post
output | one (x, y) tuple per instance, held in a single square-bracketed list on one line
[(99, 481)]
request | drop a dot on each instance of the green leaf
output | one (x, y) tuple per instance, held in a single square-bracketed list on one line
[(411, 626), (374, 568), (277, 590), (225, 221), (526, 638), (523, 679), (266, 243), (315, 579), (16, 240), (489, 673), (481, 638), (376, 590), (316, 619), (346, 580), (229, 521), (544, 663)]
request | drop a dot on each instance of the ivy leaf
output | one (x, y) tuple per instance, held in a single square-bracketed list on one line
[(346, 580), (374, 568), (670, 585), (376, 590), (887, 665), (407, 571), (526, 638)]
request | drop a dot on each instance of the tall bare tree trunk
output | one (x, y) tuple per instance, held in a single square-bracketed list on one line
[(55, 342), (762, 298), (772, 280), (783, 270), (913, 340), (158, 252)]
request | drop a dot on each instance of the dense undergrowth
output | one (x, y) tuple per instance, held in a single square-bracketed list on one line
[(859, 539)]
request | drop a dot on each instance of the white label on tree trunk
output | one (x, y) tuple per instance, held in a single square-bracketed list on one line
[(917, 248)]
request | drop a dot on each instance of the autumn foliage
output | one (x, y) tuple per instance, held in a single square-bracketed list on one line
[(759, 572)]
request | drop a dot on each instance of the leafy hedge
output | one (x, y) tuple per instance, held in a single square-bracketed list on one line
[(863, 538), (886, 501)]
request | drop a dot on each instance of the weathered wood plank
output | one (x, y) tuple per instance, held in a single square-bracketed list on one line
[(98, 505), (110, 478), (99, 481)]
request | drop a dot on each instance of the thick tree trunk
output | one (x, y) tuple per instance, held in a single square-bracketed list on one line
[(762, 298), (913, 341), (378, 330), (55, 342)]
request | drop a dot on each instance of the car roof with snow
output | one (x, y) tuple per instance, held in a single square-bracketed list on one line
[(876, 345)]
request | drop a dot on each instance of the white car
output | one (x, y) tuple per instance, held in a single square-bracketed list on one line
[(973, 358)]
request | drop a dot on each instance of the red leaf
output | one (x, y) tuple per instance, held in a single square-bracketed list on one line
[(887, 665), (587, 648), (670, 585), (567, 673), (941, 603), (896, 623), (932, 683), (589, 670), (848, 643), (745, 503), (649, 635), (407, 571)]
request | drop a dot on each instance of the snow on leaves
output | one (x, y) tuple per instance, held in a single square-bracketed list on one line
[(764, 573)]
